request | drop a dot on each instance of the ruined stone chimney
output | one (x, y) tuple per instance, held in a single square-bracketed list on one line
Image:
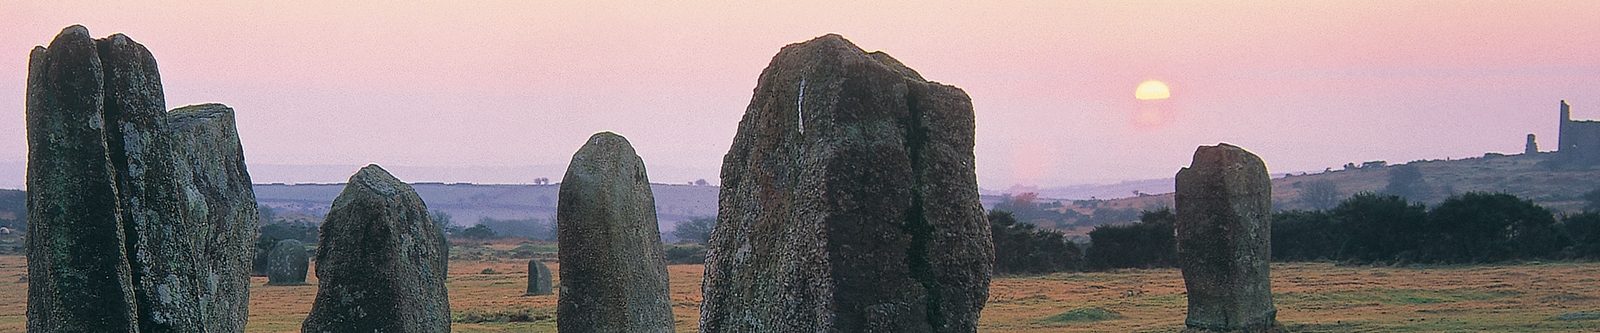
[(1532, 147)]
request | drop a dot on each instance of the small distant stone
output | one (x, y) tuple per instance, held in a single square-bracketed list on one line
[(538, 279), (287, 264)]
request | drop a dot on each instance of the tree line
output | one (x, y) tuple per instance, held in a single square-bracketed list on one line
[(1368, 228)]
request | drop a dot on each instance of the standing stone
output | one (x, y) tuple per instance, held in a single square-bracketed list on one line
[(286, 265), (80, 280), (223, 202), (101, 144), (381, 261), (613, 269), (165, 262), (849, 202), (538, 278), (1224, 205)]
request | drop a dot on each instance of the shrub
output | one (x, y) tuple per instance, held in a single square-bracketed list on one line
[(1305, 235), (1485, 227), (1584, 231), (1020, 248), (678, 254), (1378, 227), (1151, 242)]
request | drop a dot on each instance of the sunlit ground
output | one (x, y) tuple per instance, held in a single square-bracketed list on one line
[(1310, 297)]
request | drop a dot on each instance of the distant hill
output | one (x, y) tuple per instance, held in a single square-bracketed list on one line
[(467, 203), (1525, 176), (1097, 191)]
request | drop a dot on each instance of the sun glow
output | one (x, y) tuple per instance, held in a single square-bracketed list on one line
[(1151, 90)]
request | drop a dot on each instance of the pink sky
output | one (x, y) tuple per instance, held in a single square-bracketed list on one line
[(1304, 84)]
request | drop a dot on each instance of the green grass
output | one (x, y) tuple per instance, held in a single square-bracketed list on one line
[(1083, 315), (1383, 296), (1577, 316)]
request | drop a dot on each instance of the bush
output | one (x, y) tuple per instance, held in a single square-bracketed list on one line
[(1484, 227), (1151, 242), (1584, 230), (1019, 248), (1305, 235), (479, 232), (679, 254), (697, 230), (1378, 227)]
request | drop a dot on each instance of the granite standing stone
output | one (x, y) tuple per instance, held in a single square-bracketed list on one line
[(223, 201), (101, 144), (1224, 205), (381, 261), (539, 282), (165, 261), (80, 280), (849, 202), (613, 269), (287, 264)]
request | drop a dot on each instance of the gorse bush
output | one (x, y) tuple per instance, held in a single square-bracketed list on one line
[(1377, 228), (1371, 227), (1584, 231), (1151, 242), (678, 254), (1305, 235), (1019, 248)]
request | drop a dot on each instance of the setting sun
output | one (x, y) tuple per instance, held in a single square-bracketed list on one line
[(1152, 90)]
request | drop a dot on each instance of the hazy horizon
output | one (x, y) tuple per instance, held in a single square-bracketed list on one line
[(1305, 85)]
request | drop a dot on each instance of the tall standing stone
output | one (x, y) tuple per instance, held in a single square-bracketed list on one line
[(165, 262), (539, 281), (849, 202), (101, 144), (381, 261), (287, 264), (223, 202), (1224, 205), (79, 277), (613, 269)]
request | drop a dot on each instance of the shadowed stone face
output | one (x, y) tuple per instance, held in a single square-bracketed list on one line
[(1224, 202), (538, 278), (381, 261), (613, 269), (287, 264), (131, 225), (849, 202)]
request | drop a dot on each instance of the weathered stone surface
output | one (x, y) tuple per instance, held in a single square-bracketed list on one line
[(223, 202), (613, 269), (381, 261), (287, 264), (165, 262), (101, 144), (539, 282), (1224, 205), (80, 277), (849, 202)]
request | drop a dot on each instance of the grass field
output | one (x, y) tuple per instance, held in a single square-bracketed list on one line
[(1311, 297)]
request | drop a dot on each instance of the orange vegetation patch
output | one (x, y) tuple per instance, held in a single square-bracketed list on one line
[(1315, 297)]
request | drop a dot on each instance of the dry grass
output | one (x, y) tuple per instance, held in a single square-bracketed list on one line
[(1310, 297)]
